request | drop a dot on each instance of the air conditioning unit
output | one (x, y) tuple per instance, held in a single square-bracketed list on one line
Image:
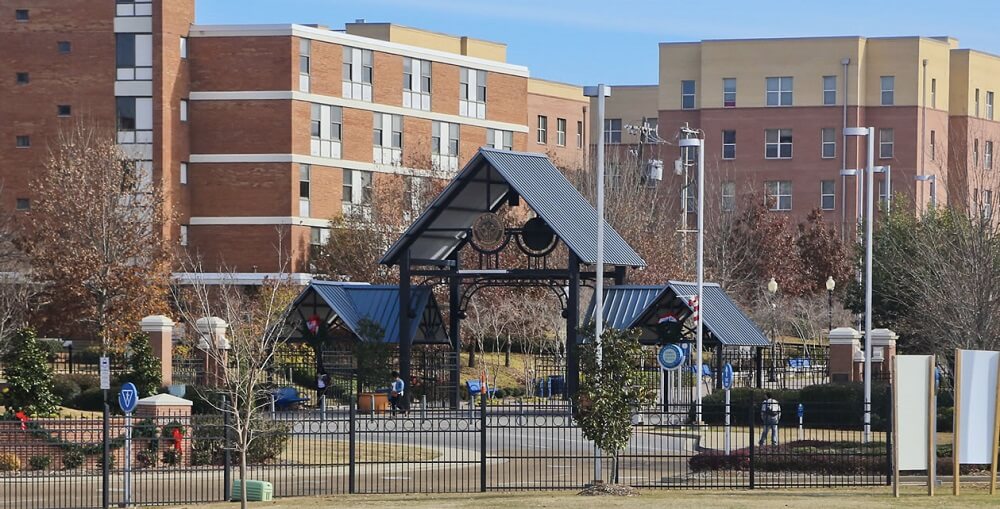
[(654, 170)]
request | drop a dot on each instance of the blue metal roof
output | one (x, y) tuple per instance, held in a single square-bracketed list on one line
[(630, 306), (490, 176), (352, 303)]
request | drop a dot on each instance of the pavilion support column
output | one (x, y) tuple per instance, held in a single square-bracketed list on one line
[(572, 324), (405, 341), (455, 329), (619, 275), (758, 365), (718, 365)]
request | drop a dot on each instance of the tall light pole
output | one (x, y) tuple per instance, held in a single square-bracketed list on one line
[(869, 219), (830, 285), (601, 91), (699, 144), (772, 288), (932, 179)]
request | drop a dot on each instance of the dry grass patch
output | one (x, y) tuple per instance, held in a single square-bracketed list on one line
[(318, 451)]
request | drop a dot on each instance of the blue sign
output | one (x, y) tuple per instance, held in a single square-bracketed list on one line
[(802, 410), (727, 376), (670, 357), (128, 397)]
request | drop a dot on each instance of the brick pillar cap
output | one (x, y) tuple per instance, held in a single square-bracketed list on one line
[(156, 323), (844, 334), (164, 400), (883, 335)]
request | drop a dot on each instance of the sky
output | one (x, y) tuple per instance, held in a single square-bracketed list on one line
[(615, 41)]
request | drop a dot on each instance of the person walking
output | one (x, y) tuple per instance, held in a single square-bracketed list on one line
[(396, 394), (322, 382), (770, 415)]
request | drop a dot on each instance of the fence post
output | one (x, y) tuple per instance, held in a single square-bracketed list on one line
[(227, 475), (753, 440), (352, 445), (106, 454), (890, 469), (482, 442)]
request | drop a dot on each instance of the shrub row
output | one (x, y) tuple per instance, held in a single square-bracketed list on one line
[(806, 456)]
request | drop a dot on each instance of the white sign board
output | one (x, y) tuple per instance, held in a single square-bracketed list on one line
[(105, 373), (913, 401), (978, 392)]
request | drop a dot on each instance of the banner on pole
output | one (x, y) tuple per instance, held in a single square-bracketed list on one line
[(977, 388)]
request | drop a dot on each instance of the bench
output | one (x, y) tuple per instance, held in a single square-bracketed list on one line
[(475, 387), (799, 364), (287, 397), (706, 370)]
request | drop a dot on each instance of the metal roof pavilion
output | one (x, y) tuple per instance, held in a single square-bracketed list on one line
[(631, 306), (349, 304), (494, 177)]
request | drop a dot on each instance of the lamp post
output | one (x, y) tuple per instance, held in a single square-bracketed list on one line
[(772, 288), (602, 92), (932, 179), (692, 139), (869, 219), (830, 285)]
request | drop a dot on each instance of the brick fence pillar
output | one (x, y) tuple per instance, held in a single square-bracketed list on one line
[(213, 335), (884, 341), (844, 343), (164, 409), (160, 330)]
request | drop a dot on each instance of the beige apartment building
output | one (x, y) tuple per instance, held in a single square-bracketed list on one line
[(774, 111), (254, 129)]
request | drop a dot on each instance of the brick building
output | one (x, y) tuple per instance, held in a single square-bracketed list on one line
[(774, 112), (249, 129)]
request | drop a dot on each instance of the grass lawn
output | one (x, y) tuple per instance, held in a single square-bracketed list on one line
[(819, 498), (494, 364), (317, 451), (70, 413)]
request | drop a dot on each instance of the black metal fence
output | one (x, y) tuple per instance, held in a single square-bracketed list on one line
[(485, 446)]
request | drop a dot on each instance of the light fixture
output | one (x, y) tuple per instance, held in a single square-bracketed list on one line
[(830, 284), (772, 286)]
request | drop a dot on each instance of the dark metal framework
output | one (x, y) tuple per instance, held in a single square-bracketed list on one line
[(433, 249)]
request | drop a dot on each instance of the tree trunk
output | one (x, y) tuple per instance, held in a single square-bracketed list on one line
[(243, 476), (506, 358), (472, 355)]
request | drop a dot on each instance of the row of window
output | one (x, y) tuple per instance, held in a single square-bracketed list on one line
[(779, 91), (989, 104), (778, 194), (987, 154), (542, 131), (359, 76)]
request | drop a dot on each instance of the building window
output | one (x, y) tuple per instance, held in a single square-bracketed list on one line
[(23, 78), (827, 194), (829, 90), (184, 110), (184, 235), (888, 90), (124, 50), (358, 74), (472, 93), (729, 144), (184, 47), (23, 204), (989, 105), (21, 15), (687, 94), (885, 142), (126, 113), (305, 174), (728, 92), (318, 236), (779, 91), (975, 153), (778, 143), (829, 148), (779, 195), (305, 64), (988, 155), (612, 130), (387, 138), (184, 173), (325, 130), (728, 196), (933, 93), (561, 132), (64, 110), (64, 47), (883, 195), (445, 145), (933, 145), (579, 134), (987, 203), (417, 84), (23, 141), (977, 102), (499, 139), (357, 188), (543, 128)]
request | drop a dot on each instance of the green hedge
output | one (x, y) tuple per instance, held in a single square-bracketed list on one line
[(826, 405)]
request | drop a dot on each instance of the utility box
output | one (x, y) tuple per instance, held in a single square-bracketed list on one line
[(257, 491)]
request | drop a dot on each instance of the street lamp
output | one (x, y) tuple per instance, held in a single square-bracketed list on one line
[(602, 92), (933, 182), (692, 138), (830, 285), (869, 219), (772, 288)]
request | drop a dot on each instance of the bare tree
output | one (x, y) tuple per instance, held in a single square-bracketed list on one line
[(241, 356), (96, 240)]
